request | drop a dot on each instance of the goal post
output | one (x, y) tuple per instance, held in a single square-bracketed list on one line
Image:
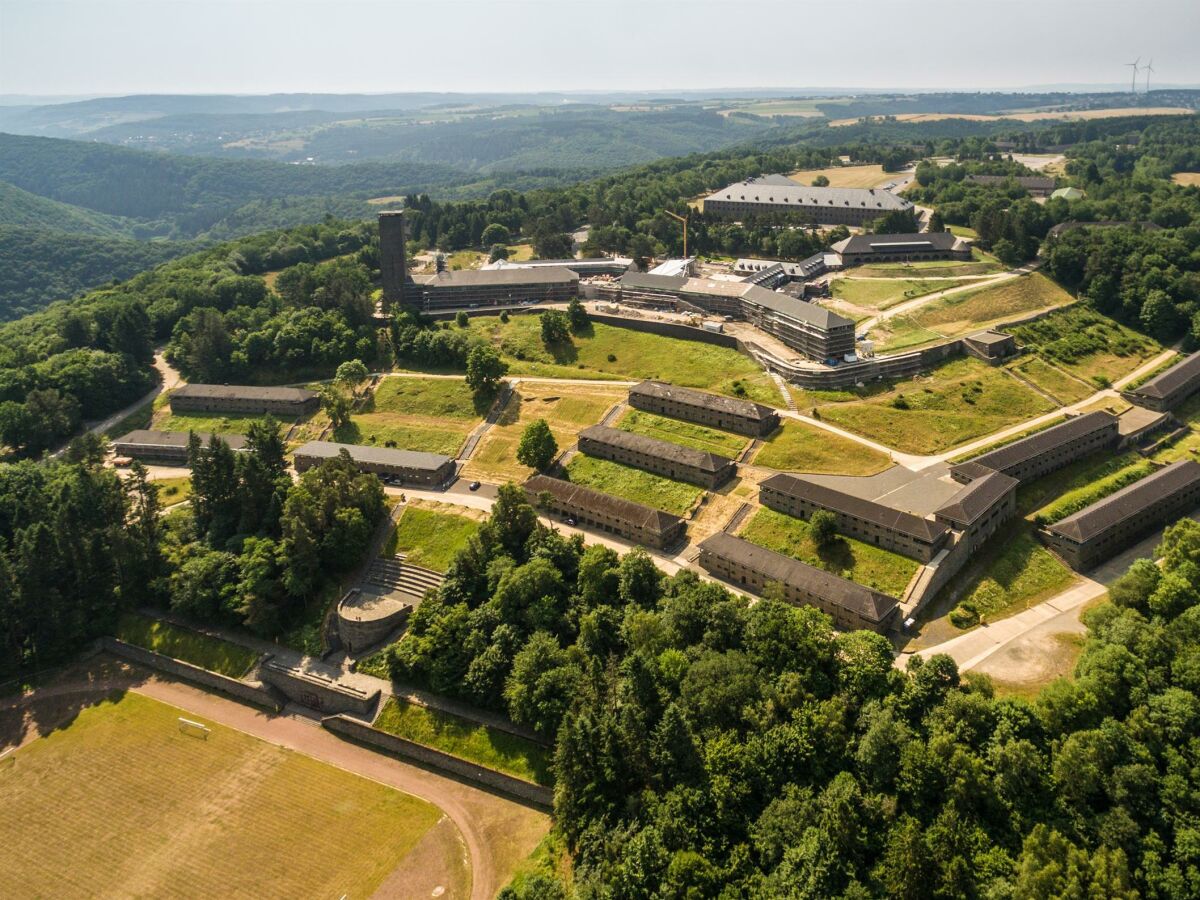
[(195, 729)]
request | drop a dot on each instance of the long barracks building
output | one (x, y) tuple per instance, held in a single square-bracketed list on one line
[(664, 458), (604, 512), (851, 605), (863, 520), (778, 195), (1168, 389), (410, 466), (1108, 526), (167, 447), (1046, 451), (867, 248), (704, 408), (244, 398)]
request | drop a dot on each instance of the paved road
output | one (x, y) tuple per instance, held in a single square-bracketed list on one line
[(169, 379), (496, 832)]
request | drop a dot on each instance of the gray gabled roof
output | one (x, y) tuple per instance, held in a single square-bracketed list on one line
[(1171, 380), (514, 277), (1130, 500), (245, 392), (384, 456), (772, 193), (640, 443), (580, 497), (976, 498), (899, 243), (794, 308), (1044, 441), (870, 604), (646, 281), (832, 499), (744, 409), (143, 438)]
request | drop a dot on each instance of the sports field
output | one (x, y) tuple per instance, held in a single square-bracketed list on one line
[(120, 803), (567, 409), (848, 176), (430, 414)]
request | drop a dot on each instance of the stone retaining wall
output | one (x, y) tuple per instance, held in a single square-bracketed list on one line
[(534, 794), (317, 691), (259, 695), (668, 329)]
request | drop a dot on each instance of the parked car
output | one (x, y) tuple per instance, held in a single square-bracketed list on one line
[(569, 520), (473, 486)]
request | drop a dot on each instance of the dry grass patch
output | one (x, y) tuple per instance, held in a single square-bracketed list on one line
[(1188, 179), (121, 803), (567, 409), (847, 176)]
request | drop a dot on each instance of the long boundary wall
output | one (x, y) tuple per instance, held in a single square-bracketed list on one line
[(535, 794), (239, 690)]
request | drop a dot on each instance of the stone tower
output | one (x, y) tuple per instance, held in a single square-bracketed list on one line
[(392, 263)]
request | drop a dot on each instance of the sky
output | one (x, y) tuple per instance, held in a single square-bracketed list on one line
[(53, 47)]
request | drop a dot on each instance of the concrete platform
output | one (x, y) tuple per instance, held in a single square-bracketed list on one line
[(917, 492)]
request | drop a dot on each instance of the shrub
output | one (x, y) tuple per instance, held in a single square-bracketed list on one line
[(900, 402), (964, 615), (612, 357)]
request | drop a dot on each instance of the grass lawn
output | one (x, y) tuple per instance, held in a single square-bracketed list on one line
[(1085, 495), (567, 409), (430, 537), (957, 402), (139, 418), (121, 803), (797, 447), (635, 355), (873, 566), (480, 744), (1053, 380), (520, 252), (969, 311), (1087, 344), (430, 414), (633, 484), (979, 264), (698, 437), (882, 293), (174, 490), (1034, 495), (1012, 572), (232, 423), (844, 176), (202, 650)]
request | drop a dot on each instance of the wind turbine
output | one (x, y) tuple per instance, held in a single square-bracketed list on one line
[(1148, 69), (1133, 79)]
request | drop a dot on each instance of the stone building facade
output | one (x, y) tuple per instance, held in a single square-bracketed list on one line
[(664, 458), (704, 408), (1168, 389), (1047, 450), (409, 466), (604, 512), (167, 447)]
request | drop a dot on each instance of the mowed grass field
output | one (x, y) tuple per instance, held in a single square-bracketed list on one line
[(465, 739), (867, 295), (633, 484), (1060, 385), (847, 176), (689, 434), (635, 355), (429, 535), (797, 447), (873, 566), (958, 401), (120, 803), (567, 409), (200, 649), (968, 311), (434, 415)]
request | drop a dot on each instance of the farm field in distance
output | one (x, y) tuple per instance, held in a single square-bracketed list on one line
[(960, 400), (635, 356), (413, 413), (1186, 178), (567, 409), (798, 447), (220, 816), (642, 487), (873, 566)]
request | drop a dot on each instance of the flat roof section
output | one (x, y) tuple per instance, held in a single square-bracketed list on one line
[(1130, 500), (870, 604), (488, 277), (847, 504), (383, 456)]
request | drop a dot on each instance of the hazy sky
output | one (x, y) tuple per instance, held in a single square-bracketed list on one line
[(261, 46)]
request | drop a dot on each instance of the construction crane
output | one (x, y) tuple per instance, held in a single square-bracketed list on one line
[(684, 220)]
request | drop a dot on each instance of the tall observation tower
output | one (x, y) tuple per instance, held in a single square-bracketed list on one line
[(392, 262)]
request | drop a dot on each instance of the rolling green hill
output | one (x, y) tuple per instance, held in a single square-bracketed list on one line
[(26, 210)]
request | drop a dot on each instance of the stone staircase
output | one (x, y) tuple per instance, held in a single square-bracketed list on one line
[(397, 576)]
